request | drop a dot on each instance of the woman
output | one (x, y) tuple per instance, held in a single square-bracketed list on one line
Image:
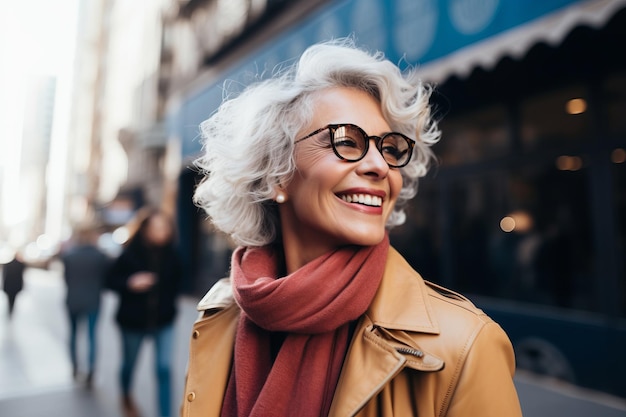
[(145, 276), (320, 316)]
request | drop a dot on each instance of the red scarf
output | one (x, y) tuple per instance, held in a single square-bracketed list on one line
[(314, 307)]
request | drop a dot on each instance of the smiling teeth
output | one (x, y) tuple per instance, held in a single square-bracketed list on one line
[(368, 200)]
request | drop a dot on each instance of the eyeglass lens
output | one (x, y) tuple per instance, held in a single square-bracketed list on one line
[(351, 144)]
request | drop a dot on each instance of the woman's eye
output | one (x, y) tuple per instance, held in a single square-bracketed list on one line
[(346, 142), (394, 152)]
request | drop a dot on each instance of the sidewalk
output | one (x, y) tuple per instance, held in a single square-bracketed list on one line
[(36, 381)]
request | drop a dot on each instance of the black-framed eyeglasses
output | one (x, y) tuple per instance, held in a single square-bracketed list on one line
[(351, 143)]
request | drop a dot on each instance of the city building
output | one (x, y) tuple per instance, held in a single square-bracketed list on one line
[(24, 201), (119, 143)]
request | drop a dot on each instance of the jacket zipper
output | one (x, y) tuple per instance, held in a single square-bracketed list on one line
[(410, 351)]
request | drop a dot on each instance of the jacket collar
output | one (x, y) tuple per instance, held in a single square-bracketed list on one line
[(401, 282)]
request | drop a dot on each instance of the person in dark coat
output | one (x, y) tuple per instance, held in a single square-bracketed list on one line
[(85, 269), (13, 279), (146, 277)]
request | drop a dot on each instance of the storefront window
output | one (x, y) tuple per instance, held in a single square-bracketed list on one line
[(474, 136), (615, 95), (474, 205), (556, 117), (523, 234), (618, 159), (419, 238)]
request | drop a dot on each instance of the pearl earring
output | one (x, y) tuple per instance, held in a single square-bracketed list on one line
[(280, 198)]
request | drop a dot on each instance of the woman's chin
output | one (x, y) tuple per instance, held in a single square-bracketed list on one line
[(366, 238)]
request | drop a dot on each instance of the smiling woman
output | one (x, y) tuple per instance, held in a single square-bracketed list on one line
[(320, 315)]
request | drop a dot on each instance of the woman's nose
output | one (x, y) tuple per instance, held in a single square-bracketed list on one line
[(373, 162)]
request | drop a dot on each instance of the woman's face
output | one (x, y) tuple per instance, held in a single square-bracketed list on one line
[(158, 230), (316, 217)]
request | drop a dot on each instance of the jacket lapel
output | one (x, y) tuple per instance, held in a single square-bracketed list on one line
[(381, 361), (382, 334), (401, 282)]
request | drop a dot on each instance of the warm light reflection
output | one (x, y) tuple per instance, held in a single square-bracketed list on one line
[(507, 224), (618, 156), (519, 221), (569, 163), (576, 106)]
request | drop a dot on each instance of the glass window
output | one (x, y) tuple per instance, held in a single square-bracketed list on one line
[(474, 206), (523, 234), (555, 117), (615, 96), (618, 159), (419, 238), (473, 136)]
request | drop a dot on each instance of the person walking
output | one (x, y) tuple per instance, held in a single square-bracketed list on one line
[(13, 279), (146, 278), (84, 269)]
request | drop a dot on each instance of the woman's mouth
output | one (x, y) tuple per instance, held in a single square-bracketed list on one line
[(365, 199)]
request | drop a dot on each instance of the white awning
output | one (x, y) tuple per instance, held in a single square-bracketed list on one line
[(514, 43)]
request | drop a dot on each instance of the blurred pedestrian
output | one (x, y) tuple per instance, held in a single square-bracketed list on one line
[(13, 279), (85, 269), (146, 277), (320, 316)]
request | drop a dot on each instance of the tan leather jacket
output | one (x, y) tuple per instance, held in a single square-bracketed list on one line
[(419, 350)]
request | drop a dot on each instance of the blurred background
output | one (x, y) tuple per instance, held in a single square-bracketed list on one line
[(100, 102)]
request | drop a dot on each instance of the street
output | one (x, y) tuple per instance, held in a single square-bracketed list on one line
[(36, 380)]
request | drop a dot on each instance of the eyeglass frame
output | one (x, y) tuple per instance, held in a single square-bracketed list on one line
[(378, 140)]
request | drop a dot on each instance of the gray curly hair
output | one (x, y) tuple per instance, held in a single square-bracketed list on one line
[(248, 142)]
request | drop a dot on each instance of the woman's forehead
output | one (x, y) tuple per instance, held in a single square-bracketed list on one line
[(339, 105)]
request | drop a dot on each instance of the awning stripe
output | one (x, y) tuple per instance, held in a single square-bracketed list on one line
[(551, 29)]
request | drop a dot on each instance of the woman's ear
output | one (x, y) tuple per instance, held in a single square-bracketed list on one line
[(280, 196)]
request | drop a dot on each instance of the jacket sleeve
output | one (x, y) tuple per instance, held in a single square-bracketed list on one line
[(485, 380), (119, 272)]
